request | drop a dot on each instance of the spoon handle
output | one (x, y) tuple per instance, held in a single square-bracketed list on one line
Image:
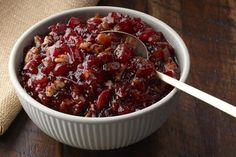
[(213, 101)]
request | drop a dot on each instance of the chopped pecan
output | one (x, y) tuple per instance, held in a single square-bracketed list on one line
[(91, 47), (30, 53), (109, 49), (53, 87), (97, 48), (85, 45), (80, 99), (131, 41), (59, 84), (37, 40), (91, 112), (50, 90), (61, 58), (87, 74), (105, 25), (103, 39), (48, 40)]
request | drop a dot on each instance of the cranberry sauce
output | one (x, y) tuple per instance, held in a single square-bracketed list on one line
[(77, 70)]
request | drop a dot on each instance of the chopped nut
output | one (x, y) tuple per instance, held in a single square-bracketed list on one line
[(79, 99), (109, 49), (134, 82), (91, 47), (94, 19), (37, 40), (50, 90), (75, 88), (53, 87), (61, 58), (82, 98), (48, 40), (91, 112), (131, 41), (59, 84), (85, 45), (88, 114), (86, 74), (30, 53), (103, 39), (104, 25), (92, 108), (97, 17), (97, 48)]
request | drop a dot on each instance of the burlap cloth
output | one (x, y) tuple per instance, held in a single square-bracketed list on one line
[(15, 17)]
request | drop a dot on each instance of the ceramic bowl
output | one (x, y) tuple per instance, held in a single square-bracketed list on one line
[(97, 133)]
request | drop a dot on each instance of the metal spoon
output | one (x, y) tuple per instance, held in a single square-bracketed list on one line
[(141, 50)]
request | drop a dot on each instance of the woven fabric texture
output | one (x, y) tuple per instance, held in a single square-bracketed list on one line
[(16, 17)]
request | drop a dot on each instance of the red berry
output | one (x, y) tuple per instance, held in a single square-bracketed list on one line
[(125, 26), (53, 51), (143, 67), (44, 99), (123, 53), (105, 57), (144, 36), (60, 69), (138, 84), (77, 109), (59, 28), (48, 65), (31, 66), (73, 22), (43, 81), (169, 73), (124, 109), (70, 33), (158, 55), (121, 91), (102, 99)]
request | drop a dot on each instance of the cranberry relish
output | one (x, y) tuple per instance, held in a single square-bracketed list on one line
[(77, 70)]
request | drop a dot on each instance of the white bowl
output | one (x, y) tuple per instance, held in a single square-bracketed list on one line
[(97, 133)]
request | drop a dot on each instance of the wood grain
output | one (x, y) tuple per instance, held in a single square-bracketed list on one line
[(195, 129)]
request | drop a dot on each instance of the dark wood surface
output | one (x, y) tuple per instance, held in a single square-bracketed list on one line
[(208, 28)]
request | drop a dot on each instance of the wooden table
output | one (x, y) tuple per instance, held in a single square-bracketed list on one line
[(208, 28)]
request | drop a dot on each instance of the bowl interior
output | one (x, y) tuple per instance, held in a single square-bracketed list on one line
[(84, 13)]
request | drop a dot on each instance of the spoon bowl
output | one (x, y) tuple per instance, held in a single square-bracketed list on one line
[(141, 49)]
